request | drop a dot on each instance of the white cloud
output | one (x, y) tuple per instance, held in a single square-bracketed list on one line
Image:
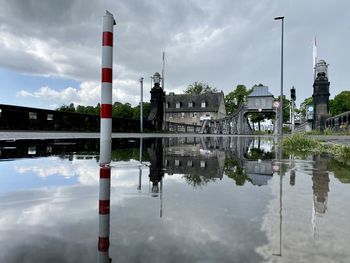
[(88, 93)]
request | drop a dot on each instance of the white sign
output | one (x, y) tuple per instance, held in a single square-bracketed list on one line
[(276, 104)]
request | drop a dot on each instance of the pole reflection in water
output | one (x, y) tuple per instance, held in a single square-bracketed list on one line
[(140, 166), (156, 170), (279, 157), (104, 214)]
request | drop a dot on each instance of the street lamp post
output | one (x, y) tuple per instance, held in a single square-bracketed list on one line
[(141, 105), (281, 98)]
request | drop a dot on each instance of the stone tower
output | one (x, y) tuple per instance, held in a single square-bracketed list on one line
[(321, 96), (157, 104)]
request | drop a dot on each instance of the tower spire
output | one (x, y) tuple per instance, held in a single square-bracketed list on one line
[(314, 56)]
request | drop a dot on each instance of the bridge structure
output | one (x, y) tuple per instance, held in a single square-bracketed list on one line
[(259, 101)]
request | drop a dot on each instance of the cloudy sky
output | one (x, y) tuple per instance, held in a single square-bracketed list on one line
[(50, 51)]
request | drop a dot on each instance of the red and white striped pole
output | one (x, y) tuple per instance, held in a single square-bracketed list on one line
[(104, 214), (106, 89), (105, 137)]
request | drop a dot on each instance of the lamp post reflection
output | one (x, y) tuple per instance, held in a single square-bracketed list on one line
[(140, 166), (156, 170), (279, 157)]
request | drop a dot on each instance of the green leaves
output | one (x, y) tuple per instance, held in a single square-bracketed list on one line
[(235, 98), (199, 87), (340, 103)]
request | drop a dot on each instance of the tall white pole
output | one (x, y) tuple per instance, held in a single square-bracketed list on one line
[(106, 90), (141, 105), (105, 137)]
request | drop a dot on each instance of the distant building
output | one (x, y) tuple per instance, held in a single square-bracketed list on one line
[(194, 108), (260, 98)]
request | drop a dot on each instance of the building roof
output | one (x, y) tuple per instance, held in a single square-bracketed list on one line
[(260, 91), (212, 99)]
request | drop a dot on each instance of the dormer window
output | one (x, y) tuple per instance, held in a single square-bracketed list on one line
[(178, 105), (190, 104), (204, 104)]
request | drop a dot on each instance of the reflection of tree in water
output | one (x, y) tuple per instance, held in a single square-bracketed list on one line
[(235, 171), (257, 153), (341, 171), (197, 180)]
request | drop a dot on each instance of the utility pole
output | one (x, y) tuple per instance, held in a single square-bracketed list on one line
[(141, 106), (281, 96)]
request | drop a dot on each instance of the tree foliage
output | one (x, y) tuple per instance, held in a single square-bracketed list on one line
[(304, 104), (286, 108), (235, 98), (340, 103), (119, 110), (199, 87)]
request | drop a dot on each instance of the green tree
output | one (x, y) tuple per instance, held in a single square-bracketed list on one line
[(67, 108), (304, 104), (286, 108), (340, 103), (235, 98), (146, 110), (199, 87), (120, 110)]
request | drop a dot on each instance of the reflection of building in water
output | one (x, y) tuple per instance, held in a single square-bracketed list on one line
[(195, 159), (320, 187), (260, 172), (258, 165), (156, 169)]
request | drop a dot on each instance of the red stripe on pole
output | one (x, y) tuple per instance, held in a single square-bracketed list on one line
[(103, 207), (106, 111), (107, 75), (105, 173), (103, 244), (107, 39)]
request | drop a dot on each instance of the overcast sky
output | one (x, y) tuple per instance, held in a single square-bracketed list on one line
[(50, 50)]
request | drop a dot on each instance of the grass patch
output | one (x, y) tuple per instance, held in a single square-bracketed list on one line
[(301, 145)]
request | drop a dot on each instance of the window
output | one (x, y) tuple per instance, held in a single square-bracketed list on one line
[(32, 116), (50, 117), (178, 105), (202, 164), (177, 163), (182, 115), (189, 163), (32, 150), (204, 104), (0, 112), (194, 114), (167, 105), (190, 104)]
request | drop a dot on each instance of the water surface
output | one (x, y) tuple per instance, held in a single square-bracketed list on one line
[(230, 199)]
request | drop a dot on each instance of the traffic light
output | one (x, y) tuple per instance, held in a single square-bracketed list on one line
[(292, 93)]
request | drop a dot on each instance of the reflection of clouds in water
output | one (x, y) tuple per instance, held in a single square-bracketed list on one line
[(47, 206), (329, 244), (85, 170)]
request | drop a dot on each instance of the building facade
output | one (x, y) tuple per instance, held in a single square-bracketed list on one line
[(194, 108)]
